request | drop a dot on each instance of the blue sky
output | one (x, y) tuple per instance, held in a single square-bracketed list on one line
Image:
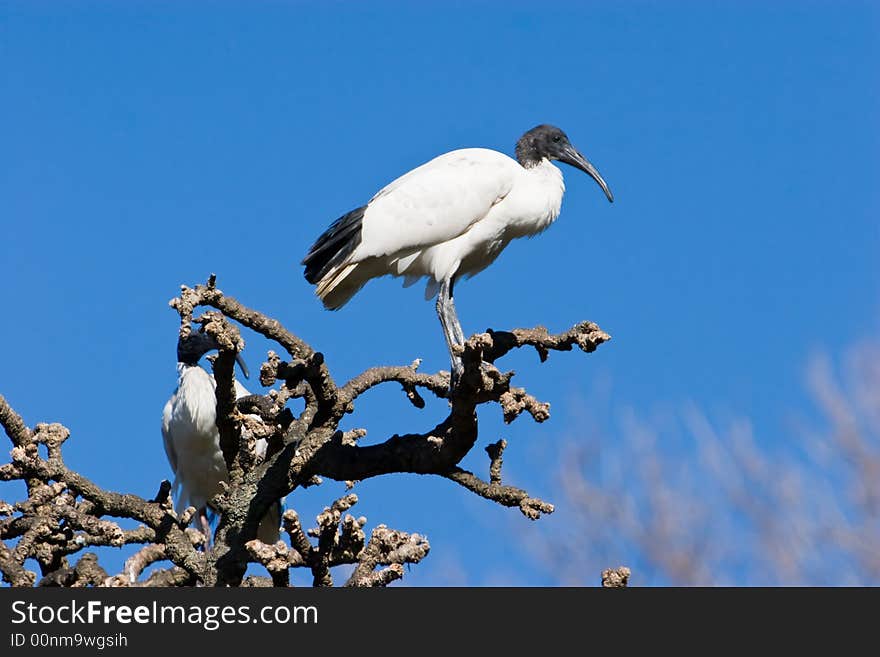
[(145, 145)]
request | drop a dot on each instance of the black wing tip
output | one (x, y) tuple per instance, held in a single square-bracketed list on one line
[(334, 245), (311, 276), (312, 270)]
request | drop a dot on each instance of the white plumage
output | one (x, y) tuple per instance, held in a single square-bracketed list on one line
[(451, 215), (192, 442), (448, 218)]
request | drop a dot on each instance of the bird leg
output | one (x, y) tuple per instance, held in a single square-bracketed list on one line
[(458, 334), (451, 328), (453, 324)]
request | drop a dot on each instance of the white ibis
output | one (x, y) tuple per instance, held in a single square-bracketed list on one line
[(192, 441), (448, 218)]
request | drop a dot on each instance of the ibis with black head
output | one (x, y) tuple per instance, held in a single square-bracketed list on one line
[(192, 440), (451, 217)]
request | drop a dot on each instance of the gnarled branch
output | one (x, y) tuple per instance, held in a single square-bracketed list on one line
[(65, 512)]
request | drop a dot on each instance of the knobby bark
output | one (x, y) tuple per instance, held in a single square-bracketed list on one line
[(65, 513)]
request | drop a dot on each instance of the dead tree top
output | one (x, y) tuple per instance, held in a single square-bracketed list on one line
[(66, 513)]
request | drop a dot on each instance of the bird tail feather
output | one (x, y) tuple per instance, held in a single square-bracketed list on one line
[(338, 286), (334, 247)]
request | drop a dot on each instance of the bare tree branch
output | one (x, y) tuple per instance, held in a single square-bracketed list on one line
[(531, 507), (13, 425), (387, 547), (65, 512), (616, 578)]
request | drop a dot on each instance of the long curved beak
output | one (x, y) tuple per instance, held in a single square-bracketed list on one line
[(575, 159), (242, 365)]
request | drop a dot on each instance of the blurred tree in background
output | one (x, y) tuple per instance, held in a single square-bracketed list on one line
[(686, 500)]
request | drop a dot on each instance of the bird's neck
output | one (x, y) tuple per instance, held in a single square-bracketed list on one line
[(194, 381), (183, 367), (527, 162), (546, 173), (536, 200)]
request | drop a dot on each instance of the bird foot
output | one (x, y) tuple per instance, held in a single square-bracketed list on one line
[(487, 369)]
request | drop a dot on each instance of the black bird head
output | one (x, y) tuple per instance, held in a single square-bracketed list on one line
[(191, 348), (547, 141)]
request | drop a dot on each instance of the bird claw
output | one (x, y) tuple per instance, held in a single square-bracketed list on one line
[(486, 369), (489, 369)]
